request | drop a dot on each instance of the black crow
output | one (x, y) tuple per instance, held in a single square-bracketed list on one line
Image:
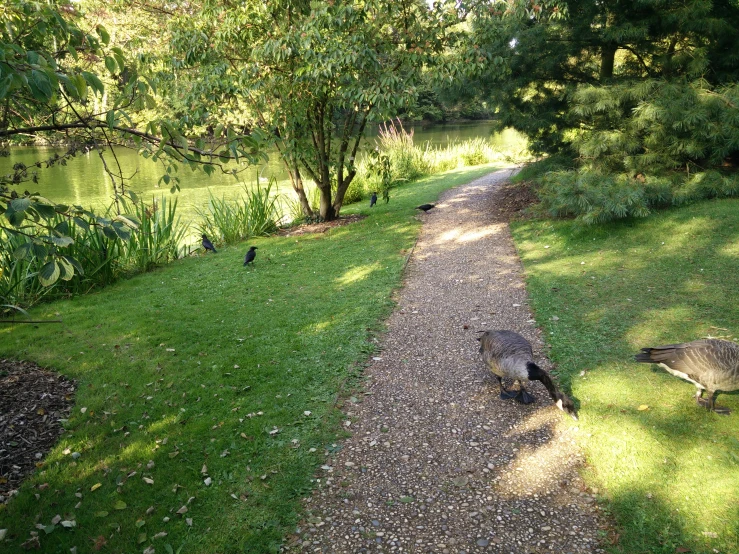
[(425, 207), (208, 245), (373, 199), (250, 255)]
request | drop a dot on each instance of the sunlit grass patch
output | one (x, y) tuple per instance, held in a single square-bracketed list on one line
[(665, 468)]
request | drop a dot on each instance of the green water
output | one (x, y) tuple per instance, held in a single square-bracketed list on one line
[(84, 182)]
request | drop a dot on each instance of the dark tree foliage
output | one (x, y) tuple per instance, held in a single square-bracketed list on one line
[(641, 89)]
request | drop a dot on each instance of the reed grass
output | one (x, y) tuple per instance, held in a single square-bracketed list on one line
[(255, 214)]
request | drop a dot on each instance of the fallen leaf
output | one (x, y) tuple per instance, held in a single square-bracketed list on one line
[(188, 520), (96, 486), (140, 523), (148, 481), (141, 538), (461, 481), (101, 514), (56, 519), (182, 510), (643, 407), (69, 523), (120, 505), (159, 535)]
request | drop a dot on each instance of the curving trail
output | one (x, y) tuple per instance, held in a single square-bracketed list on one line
[(437, 463)]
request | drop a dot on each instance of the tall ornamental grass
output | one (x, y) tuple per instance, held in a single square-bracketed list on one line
[(103, 258), (257, 213), (409, 161)]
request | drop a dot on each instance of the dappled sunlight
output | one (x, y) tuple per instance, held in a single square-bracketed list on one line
[(668, 324), (161, 425), (544, 454), (358, 273), (461, 234)]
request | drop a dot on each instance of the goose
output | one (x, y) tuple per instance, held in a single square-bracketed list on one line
[(425, 207), (508, 354), (712, 365)]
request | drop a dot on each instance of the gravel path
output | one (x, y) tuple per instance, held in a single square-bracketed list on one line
[(437, 462)]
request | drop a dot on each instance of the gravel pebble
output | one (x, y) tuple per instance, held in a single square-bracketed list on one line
[(446, 466)]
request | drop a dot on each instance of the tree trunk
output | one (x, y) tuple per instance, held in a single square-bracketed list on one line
[(297, 183), (326, 210), (607, 60)]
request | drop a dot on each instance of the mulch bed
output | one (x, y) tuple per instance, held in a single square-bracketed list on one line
[(322, 227), (513, 200), (33, 403)]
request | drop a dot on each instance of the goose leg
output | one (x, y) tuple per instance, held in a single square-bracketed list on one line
[(504, 394), (712, 404), (700, 400), (524, 397)]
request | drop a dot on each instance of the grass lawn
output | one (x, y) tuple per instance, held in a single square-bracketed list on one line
[(666, 469), (207, 369)]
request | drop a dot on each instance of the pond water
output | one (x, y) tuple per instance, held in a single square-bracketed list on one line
[(83, 181)]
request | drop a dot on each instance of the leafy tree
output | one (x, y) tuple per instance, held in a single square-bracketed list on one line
[(53, 68), (310, 74)]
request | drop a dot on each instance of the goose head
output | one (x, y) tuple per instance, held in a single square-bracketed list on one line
[(566, 404)]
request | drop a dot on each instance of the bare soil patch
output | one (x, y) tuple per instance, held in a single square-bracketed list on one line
[(322, 227), (33, 404), (513, 200)]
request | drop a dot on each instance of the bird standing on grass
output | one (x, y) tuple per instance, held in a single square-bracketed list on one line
[(425, 207), (208, 245), (373, 199), (250, 255), (712, 365), (508, 354)]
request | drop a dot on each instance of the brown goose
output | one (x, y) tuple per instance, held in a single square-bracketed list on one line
[(508, 354), (712, 365)]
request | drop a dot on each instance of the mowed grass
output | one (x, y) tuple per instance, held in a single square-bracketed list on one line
[(207, 369), (668, 472)]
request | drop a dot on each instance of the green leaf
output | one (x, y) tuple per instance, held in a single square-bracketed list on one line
[(104, 36), (15, 218), (81, 223), (110, 119), (75, 264), (23, 251), (40, 251), (120, 505), (44, 210), (101, 514), (20, 204), (111, 65), (94, 82), (141, 538), (5, 86), (66, 270), (60, 241), (49, 274)]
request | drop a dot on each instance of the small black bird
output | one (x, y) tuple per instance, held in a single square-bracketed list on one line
[(250, 255), (425, 207), (373, 199), (208, 245)]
